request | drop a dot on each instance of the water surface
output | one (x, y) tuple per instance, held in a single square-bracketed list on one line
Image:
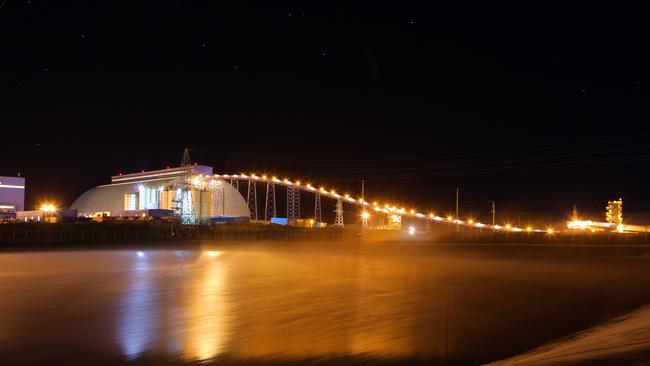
[(255, 302)]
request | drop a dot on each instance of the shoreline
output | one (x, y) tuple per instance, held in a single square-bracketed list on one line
[(74, 233), (528, 251)]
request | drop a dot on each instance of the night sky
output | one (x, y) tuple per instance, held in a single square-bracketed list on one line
[(536, 106)]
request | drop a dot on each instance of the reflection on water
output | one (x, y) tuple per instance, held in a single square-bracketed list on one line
[(206, 327), (136, 320), (311, 301), (192, 313)]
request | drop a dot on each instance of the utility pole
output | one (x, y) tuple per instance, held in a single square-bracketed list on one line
[(457, 211), (362, 192), (494, 214), (364, 214)]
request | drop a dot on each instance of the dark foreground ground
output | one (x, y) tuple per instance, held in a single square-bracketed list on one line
[(290, 303)]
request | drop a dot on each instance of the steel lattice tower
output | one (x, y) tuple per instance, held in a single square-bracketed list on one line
[(317, 209), (293, 203), (338, 221), (252, 199), (186, 158), (187, 211), (183, 195), (269, 207)]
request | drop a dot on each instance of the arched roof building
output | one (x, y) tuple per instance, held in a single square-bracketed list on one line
[(127, 194)]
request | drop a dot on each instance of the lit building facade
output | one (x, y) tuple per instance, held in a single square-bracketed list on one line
[(191, 192), (12, 196)]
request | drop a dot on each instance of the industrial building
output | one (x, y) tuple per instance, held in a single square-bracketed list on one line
[(12, 196), (191, 192)]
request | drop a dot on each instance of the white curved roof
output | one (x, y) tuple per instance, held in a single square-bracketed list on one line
[(110, 198)]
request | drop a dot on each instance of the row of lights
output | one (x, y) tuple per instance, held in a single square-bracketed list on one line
[(387, 208)]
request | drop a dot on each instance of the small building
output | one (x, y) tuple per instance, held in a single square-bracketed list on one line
[(31, 216), (46, 216), (12, 196)]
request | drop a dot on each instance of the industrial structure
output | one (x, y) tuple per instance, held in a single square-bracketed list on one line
[(613, 221), (194, 194), (12, 196), (198, 196), (188, 191)]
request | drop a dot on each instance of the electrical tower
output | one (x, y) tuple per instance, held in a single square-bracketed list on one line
[(293, 203), (574, 215), (183, 196), (187, 211), (338, 221), (186, 158), (269, 207), (317, 209), (252, 199)]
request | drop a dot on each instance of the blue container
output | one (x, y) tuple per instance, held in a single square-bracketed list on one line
[(280, 220)]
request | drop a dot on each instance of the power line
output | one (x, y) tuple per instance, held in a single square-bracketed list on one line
[(507, 169), (433, 157), (477, 163), (512, 169)]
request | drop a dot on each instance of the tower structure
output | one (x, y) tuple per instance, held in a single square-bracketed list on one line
[(186, 158), (269, 206), (365, 215), (317, 209), (614, 214), (252, 199), (183, 198), (574, 215), (188, 217), (338, 221), (293, 203)]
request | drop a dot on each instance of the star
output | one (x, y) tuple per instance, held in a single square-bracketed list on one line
[(412, 21)]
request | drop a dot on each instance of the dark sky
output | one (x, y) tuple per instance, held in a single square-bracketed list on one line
[(537, 106)]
